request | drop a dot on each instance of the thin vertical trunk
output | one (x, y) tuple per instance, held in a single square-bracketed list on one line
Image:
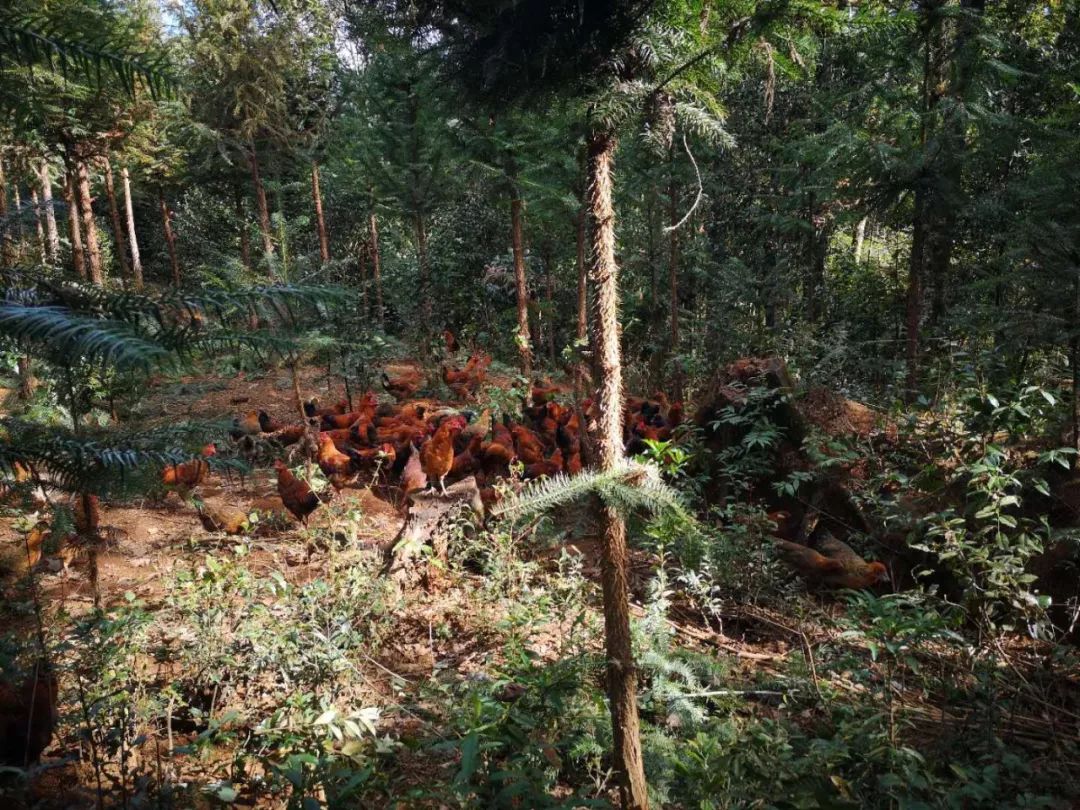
[(376, 268), (89, 225), (860, 239), (170, 237), (621, 670), (241, 226), (549, 283), (320, 221), (52, 244), (114, 216), (39, 227), (914, 298), (673, 288), (263, 211), (1074, 361), (425, 273), (78, 260), (27, 380), (20, 231), (133, 241), (7, 246), (521, 285), (363, 249)]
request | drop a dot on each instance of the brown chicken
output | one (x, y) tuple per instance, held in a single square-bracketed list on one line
[(295, 494), (27, 717), (189, 474), (221, 517), (313, 411), (497, 458), (336, 465), (290, 434), (834, 566), (247, 425), (404, 385), (528, 445), (437, 454), (553, 465), (413, 478)]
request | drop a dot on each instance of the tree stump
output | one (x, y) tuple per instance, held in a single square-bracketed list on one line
[(428, 524)]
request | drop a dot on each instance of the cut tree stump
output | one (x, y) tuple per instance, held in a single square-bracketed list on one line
[(429, 525)]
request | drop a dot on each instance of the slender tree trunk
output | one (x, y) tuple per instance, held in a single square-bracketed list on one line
[(425, 272), (1074, 361), (20, 231), (673, 289), (316, 195), (39, 227), (363, 250), (914, 297), (27, 380), (521, 285), (114, 216), (860, 239), (376, 268), (263, 210), (582, 333), (133, 240), (621, 670), (170, 237), (241, 226), (78, 260), (52, 250), (549, 283), (89, 225), (7, 245)]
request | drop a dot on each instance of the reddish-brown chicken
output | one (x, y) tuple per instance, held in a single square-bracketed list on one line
[(437, 454), (834, 566), (295, 494), (404, 385), (188, 474), (336, 465), (413, 478)]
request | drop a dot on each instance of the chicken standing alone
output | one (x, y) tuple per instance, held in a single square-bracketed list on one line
[(835, 565), (437, 454), (295, 494)]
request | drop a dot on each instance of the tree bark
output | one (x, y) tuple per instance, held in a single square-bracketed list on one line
[(114, 217), (89, 225), (241, 226), (621, 670), (133, 240), (914, 298), (52, 235), (263, 210), (673, 289), (376, 268), (78, 260), (363, 250), (521, 285), (39, 228), (425, 272), (320, 221), (860, 239), (27, 380), (549, 284), (170, 237), (7, 246)]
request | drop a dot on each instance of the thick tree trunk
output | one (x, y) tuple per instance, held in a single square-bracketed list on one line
[(7, 244), (263, 210), (170, 237), (621, 670), (521, 285), (133, 240), (52, 235), (860, 239), (89, 225), (376, 268), (425, 272), (78, 259), (320, 221), (241, 226), (114, 217), (39, 227), (673, 289)]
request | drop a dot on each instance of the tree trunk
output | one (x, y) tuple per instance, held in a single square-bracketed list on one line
[(78, 260), (673, 289), (376, 268), (320, 221), (170, 237), (860, 239), (7, 246), (89, 225), (39, 228), (263, 211), (549, 284), (52, 249), (363, 249), (114, 216), (27, 380), (20, 231), (621, 671), (241, 225), (521, 285), (133, 241), (914, 297), (425, 273)]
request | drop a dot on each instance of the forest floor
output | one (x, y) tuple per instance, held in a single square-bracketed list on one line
[(223, 652)]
